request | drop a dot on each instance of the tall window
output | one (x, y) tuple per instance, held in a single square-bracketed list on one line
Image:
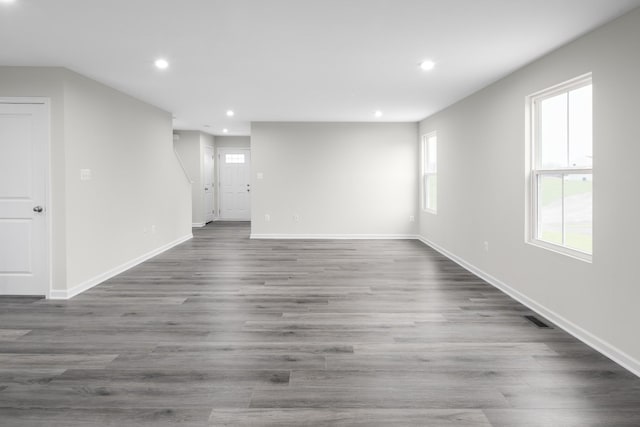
[(430, 172), (561, 168)]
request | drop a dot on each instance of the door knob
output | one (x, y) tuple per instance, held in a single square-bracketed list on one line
[(38, 209)]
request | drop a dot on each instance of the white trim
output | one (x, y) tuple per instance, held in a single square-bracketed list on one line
[(561, 250), (208, 216), (198, 224), (94, 281), (336, 236), (576, 82), (598, 344), (20, 100)]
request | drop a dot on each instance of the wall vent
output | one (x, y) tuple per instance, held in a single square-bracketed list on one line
[(539, 323)]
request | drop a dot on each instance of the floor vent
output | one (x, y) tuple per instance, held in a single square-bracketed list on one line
[(539, 323)]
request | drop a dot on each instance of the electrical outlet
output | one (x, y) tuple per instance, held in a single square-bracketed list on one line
[(486, 246), (296, 217), (153, 229), (412, 218), (267, 217)]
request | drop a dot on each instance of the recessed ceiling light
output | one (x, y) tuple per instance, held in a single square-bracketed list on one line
[(427, 65), (230, 113), (225, 130), (378, 113), (161, 64)]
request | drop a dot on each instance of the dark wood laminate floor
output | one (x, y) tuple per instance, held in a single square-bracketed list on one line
[(223, 331)]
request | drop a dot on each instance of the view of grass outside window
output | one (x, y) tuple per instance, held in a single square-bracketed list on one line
[(562, 167)]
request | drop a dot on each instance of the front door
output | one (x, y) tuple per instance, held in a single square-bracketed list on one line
[(24, 247), (235, 184)]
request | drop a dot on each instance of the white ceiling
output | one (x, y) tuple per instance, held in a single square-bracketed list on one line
[(294, 60)]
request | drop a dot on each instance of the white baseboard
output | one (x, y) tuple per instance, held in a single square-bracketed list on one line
[(336, 236), (197, 224), (88, 284), (598, 344)]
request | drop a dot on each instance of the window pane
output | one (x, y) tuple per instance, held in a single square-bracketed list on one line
[(432, 192), (234, 158), (425, 191), (578, 212), (553, 132), (432, 155), (550, 208), (580, 128)]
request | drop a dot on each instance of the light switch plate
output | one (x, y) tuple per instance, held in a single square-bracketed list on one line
[(85, 174)]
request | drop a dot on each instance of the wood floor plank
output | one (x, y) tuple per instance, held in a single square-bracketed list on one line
[(225, 330), (12, 334), (451, 397), (352, 417), (99, 417), (545, 417)]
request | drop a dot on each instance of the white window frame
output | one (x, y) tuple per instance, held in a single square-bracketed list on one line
[(536, 171), (426, 174)]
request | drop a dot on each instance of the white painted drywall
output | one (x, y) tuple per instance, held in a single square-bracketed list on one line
[(99, 225), (344, 179), (482, 181), (190, 148), (233, 142), (138, 199)]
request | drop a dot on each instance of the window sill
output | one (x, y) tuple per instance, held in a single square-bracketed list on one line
[(581, 256)]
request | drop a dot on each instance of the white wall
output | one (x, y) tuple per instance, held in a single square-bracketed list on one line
[(345, 179), (190, 149), (103, 225), (138, 200), (481, 191), (233, 141)]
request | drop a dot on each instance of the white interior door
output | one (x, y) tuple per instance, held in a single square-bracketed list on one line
[(24, 248), (235, 184), (207, 162)]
